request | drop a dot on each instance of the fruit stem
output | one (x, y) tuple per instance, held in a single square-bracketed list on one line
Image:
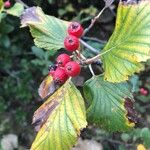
[(90, 66), (80, 56), (91, 60), (94, 39), (91, 70), (86, 61), (89, 47)]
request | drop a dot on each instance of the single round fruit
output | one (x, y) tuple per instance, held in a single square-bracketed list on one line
[(75, 29), (71, 43), (52, 69), (72, 68), (63, 59), (60, 76), (143, 91), (7, 4)]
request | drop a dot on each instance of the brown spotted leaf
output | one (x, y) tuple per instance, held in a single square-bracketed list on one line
[(60, 119), (107, 104), (47, 87), (131, 112)]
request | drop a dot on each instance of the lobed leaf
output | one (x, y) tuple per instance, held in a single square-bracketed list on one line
[(48, 31), (107, 104), (60, 119), (130, 43)]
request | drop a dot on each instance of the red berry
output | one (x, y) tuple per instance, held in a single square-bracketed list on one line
[(143, 91), (75, 29), (62, 60), (7, 4), (71, 43), (60, 76), (72, 68), (51, 72)]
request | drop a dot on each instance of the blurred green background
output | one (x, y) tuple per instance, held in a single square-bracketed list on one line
[(23, 66)]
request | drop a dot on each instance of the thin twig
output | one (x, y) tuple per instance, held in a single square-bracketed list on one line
[(94, 39), (119, 142), (91, 70), (146, 106), (93, 21), (91, 60), (80, 56), (107, 5), (89, 47), (90, 66), (114, 141)]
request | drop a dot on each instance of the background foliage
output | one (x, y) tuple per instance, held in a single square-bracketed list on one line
[(23, 66)]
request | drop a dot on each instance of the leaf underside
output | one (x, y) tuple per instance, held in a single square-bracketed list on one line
[(130, 43), (106, 104), (47, 87), (64, 115), (49, 32)]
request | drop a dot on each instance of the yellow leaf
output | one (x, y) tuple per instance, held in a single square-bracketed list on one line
[(130, 43), (1, 5), (141, 147), (60, 119)]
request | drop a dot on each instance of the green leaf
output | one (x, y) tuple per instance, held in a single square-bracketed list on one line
[(130, 42), (141, 133), (122, 147), (6, 28), (125, 137), (60, 119), (107, 102), (145, 135), (48, 31), (38, 52), (5, 41), (51, 1), (16, 10), (134, 80), (2, 15)]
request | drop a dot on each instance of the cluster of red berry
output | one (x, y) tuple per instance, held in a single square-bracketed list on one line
[(65, 67)]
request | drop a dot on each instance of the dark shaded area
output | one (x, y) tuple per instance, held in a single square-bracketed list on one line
[(21, 72), (131, 112)]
